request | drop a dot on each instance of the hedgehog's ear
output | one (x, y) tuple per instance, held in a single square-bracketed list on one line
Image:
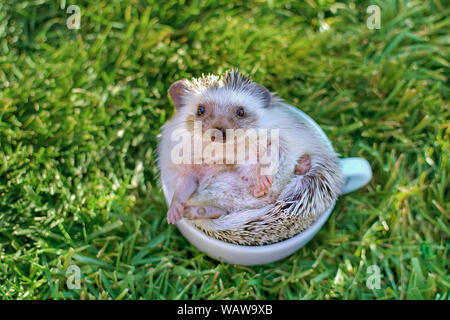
[(263, 94), (177, 92)]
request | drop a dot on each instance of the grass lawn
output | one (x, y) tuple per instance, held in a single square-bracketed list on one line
[(81, 110)]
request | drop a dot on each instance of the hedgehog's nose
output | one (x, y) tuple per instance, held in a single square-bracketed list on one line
[(224, 133)]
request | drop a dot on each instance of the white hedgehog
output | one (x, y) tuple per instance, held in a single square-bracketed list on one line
[(240, 202)]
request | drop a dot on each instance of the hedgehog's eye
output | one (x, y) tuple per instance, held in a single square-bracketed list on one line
[(240, 112), (200, 110)]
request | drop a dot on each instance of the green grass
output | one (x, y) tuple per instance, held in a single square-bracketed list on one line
[(80, 113)]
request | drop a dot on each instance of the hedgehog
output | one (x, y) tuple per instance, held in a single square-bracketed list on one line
[(274, 187)]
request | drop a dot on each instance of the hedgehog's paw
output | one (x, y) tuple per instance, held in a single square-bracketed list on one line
[(175, 212), (201, 212), (263, 185), (303, 165)]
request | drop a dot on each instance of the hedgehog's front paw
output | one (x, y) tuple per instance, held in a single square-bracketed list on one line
[(263, 185), (175, 212), (199, 212), (303, 165)]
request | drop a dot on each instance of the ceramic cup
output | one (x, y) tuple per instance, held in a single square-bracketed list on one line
[(357, 173)]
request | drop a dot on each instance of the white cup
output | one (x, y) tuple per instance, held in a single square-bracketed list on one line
[(357, 173)]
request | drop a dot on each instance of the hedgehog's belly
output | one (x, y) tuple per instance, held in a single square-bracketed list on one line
[(230, 191)]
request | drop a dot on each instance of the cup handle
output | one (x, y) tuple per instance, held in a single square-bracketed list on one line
[(357, 173)]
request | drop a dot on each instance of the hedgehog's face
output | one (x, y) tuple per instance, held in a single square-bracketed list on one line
[(222, 109), (218, 105)]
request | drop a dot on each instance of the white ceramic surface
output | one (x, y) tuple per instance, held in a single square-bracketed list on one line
[(357, 173)]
